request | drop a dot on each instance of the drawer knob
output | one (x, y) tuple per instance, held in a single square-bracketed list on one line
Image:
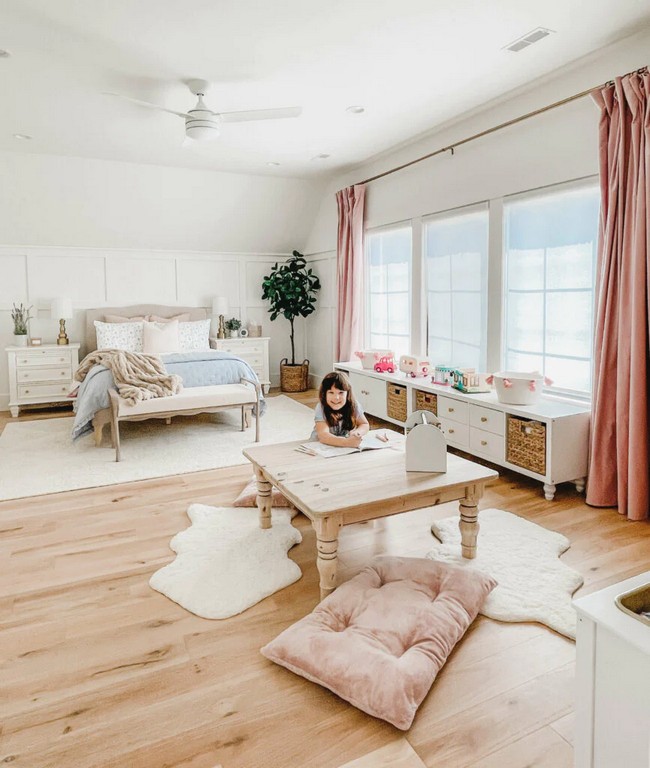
[(483, 418), (26, 391), (451, 431), (451, 410), (483, 442), (62, 373)]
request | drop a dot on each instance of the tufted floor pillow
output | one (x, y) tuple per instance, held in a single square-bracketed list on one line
[(380, 639), (248, 498)]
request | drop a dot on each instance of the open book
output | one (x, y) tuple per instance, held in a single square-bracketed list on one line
[(368, 442)]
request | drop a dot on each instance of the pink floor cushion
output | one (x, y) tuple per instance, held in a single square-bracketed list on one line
[(380, 639), (248, 496)]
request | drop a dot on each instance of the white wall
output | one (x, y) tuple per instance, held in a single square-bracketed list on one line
[(108, 234), (556, 146)]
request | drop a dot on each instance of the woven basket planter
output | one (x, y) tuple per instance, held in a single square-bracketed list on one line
[(294, 378)]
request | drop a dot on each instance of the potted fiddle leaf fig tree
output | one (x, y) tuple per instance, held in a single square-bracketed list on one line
[(291, 290)]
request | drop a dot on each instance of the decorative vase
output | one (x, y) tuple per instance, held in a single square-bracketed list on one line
[(20, 339), (294, 378), (233, 334)]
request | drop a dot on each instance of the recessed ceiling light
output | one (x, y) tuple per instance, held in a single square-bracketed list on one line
[(4, 54), (273, 164), (321, 156), (22, 136), (355, 109)]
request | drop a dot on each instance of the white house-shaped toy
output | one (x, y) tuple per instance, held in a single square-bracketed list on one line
[(426, 446)]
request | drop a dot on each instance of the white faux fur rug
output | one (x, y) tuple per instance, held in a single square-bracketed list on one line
[(534, 585), (39, 456), (225, 562)]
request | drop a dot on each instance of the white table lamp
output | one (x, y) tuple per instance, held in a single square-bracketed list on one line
[(220, 308), (61, 310)]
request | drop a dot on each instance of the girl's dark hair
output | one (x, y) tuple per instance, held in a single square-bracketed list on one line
[(346, 415)]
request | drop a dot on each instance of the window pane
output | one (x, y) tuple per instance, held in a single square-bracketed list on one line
[(388, 256), (456, 271), (550, 250)]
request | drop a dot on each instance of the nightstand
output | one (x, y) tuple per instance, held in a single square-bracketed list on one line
[(40, 374), (254, 350)]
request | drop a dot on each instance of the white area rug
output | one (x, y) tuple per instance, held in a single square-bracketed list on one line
[(523, 557), (39, 457), (225, 562)]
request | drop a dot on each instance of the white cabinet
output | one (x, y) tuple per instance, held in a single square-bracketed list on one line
[(40, 375), (255, 351), (613, 682), (548, 441)]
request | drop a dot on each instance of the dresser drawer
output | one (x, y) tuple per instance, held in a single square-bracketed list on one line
[(38, 358), (456, 433), (456, 410), (30, 374), (487, 419), (371, 393), (43, 390), (241, 347), (487, 444)]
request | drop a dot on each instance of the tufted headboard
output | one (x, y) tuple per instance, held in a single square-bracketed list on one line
[(162, 310)]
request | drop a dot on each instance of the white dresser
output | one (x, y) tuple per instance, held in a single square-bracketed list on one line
[(548, 441), (255, 351), (612, 727), (40, 374)]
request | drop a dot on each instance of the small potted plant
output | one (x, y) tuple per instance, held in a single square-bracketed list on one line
[(21, 317), (232, 326)]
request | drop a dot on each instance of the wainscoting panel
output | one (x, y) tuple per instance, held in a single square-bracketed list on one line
[(200, 280), (255, 272), (13, 281), (77, 277), (320, 328), (144, 280)]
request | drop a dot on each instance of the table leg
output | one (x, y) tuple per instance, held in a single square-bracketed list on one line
[(327, 542), (468, 525), (263, 498)]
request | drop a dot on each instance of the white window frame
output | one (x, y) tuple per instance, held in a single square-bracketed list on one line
[(558, 392)]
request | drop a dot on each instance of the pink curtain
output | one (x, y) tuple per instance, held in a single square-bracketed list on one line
[(618, 470), (349, 272)]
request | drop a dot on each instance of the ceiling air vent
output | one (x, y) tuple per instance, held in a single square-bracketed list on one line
[(528, 39)]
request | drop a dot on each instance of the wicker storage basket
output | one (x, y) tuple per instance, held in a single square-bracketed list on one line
[(526, 444), (294, 378), (426, 401), (396, 402)]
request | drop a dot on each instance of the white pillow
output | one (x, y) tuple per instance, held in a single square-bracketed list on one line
[(158, 338), (126, 336), (194, 336)]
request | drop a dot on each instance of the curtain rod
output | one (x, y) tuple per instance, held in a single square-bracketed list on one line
[(495, 128)]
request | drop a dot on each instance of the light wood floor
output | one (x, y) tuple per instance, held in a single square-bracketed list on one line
[(99, 671)]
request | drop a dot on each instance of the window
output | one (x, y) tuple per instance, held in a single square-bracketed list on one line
[(389, 277), (550, 247), (455, 252)]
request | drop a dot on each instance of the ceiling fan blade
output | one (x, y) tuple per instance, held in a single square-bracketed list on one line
[(260, 114), (147, 104)]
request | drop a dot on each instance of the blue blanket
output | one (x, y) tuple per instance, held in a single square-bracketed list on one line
[(196, 369)]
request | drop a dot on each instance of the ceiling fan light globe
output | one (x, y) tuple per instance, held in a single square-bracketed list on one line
[(201, 130)]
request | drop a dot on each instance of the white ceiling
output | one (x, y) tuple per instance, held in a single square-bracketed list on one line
[(412, 64)]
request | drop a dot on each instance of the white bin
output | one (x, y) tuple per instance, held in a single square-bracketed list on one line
[(517, 388)]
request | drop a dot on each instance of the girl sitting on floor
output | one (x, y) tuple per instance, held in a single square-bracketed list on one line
[(339, 417)]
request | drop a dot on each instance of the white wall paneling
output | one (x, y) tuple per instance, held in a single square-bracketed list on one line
[(320, 327), (118, 277)]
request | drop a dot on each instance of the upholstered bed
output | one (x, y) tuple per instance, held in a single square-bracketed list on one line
[(199, 368)]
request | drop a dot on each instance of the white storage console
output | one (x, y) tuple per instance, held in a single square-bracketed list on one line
[(254, 350), (613, 682), (40, 375), (548, 441)]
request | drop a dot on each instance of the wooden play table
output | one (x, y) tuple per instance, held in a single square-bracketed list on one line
[(337, 491)]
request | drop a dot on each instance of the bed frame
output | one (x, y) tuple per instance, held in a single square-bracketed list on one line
[(107, 416)]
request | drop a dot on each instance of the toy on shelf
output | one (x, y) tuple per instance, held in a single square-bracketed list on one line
[(468, 381), (414, 366), (443, 375), (369, 357), (385, 364)]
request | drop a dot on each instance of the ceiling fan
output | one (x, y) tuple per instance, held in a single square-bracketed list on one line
[(202, 124)]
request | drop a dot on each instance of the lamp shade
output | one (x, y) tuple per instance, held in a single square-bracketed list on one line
[(61, 309), (220, 305)]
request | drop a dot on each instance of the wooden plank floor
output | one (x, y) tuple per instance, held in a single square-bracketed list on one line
[(99, 671)]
